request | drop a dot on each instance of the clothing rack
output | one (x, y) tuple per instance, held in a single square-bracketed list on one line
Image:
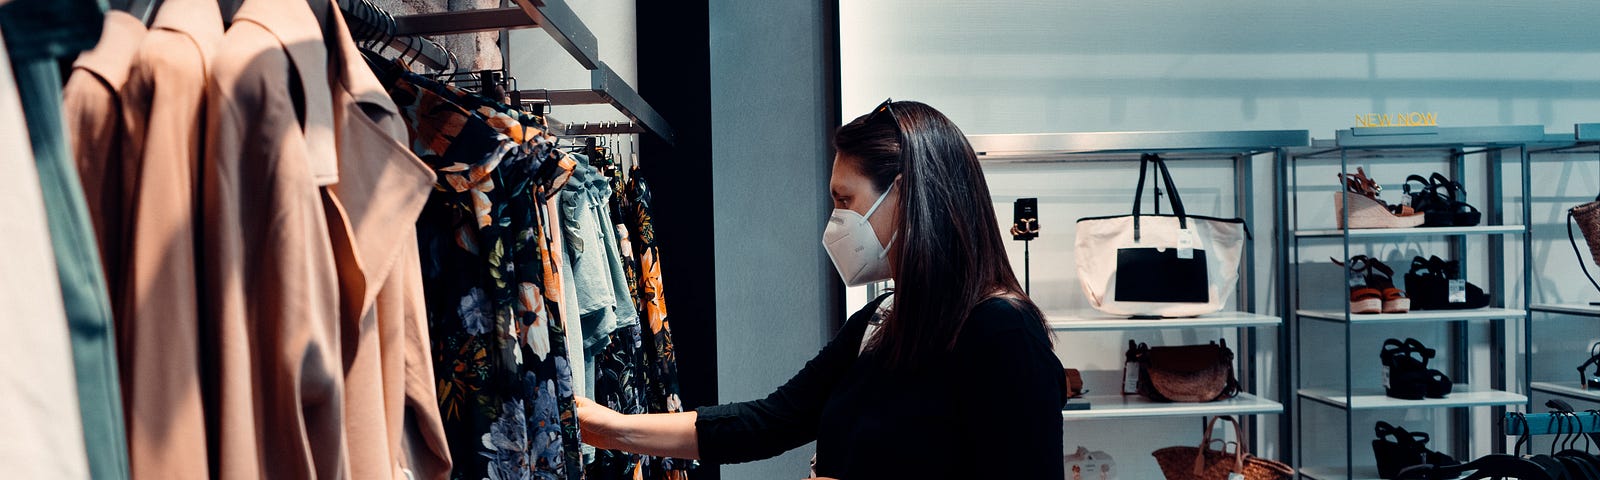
[(1553, 423), (563, 25), (368, 22)]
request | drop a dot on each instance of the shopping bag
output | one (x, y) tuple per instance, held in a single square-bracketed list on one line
[(1172, 265)]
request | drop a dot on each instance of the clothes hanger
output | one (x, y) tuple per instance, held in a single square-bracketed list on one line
[(1580, 463), (1488, 466)]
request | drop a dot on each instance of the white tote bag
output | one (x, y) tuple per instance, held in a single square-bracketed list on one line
[(1175, 265)]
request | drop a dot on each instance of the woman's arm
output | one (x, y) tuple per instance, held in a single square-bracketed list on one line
[(734, 432), (655, 434)]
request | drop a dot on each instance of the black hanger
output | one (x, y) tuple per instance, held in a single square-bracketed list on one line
[(1488, 466), (228, 7), (1580, 463)]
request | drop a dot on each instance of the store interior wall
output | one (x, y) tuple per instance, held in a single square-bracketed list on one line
[(1049, 66), (775, 295)]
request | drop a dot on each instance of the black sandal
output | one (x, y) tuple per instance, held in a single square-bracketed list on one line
[(1406, 450)]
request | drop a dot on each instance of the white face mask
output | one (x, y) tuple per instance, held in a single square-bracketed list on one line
[(853, 245)]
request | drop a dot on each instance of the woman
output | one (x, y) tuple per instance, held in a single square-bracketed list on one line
[(950, 376)]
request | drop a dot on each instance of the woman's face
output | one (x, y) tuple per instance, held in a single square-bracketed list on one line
[(853, 190)]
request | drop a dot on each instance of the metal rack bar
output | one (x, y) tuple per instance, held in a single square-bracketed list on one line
[(556, 18), (1552, 423), (465, 21), (608, 88), (1061, 145), (1391, 137), (566, 28)]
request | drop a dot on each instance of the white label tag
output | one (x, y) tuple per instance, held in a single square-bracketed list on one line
[(1386, 377), (1186, 244), (1130, 378), (1458, 291), (1235, 476)]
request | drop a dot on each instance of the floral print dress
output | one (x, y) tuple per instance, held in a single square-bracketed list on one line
[(638, 372), (500, 355)]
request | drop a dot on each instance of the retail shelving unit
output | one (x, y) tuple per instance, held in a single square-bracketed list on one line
[(1398, 145), (1240, 148), (1584, 139)]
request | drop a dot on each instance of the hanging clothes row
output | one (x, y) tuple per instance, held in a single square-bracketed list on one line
[(278, 255)]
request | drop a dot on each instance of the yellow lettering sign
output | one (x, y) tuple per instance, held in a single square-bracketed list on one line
[(1409, 119)]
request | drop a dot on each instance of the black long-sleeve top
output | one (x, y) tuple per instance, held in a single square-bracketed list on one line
[(991, 408)]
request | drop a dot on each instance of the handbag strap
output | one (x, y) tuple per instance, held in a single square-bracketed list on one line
[(1570, 238), (1172, 192), (1205, 444)]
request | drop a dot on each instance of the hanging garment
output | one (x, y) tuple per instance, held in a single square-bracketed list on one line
[(153, 270), (306, 192), (662, 371), (92, 108), (269, 275), (37, 33), (44, 430), (620, 368), (492, 287), (373, 208), (583, 196), (569, 307)]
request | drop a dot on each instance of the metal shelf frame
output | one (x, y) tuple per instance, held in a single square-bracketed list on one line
[(1501, 148), (1239, 147), (556, 18), (1585, 138)]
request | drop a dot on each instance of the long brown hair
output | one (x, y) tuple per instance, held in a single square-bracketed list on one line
[(951, 256)]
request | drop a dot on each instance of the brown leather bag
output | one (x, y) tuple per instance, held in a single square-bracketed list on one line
[(1190, 373)]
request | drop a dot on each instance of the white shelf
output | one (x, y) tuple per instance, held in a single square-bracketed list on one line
[(1581, 309), (1416, 316), (1373, 399), (1567, 389), (1126, 406), (1094, 320), (1414, 232), (1340, 473)]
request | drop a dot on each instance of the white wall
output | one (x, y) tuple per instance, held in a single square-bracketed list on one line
[(1062, 66)]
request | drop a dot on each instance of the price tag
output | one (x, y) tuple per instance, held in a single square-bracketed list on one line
[(1130, 378), (1235, 476), (1386, 377), (1186, 241), (1458, 291)]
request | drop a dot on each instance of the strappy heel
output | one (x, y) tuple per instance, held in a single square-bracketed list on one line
[(1360, 194), (1372, 287), (1428, 284), (1405, 450), (1406, 375), (1440, 200)]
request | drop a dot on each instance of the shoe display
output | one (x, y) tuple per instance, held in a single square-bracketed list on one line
[(1372, 287), (1441, 209), (1366, 209), (1436, 284), (1406, 375), (1405, 450)]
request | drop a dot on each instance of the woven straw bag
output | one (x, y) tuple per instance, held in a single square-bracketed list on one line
[(1587, 216), (1203, 463)]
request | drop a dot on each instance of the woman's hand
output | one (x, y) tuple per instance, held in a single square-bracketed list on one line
[(600, 426), (654, 434)]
